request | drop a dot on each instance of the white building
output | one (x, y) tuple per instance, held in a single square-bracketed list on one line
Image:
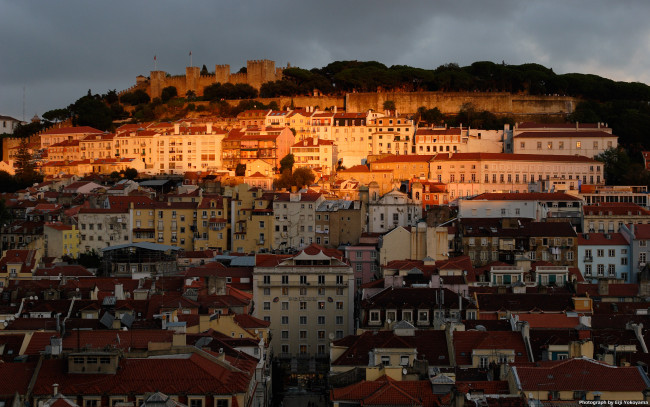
[(393, 209), (586, 140), (100, 228), (295, 219)]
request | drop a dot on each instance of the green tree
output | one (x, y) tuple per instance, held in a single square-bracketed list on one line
[(135, 98), (115, 175), (204, 70), (26, 174), (190, 95), (240, 170), (91, 110), (302, 177), (286, 163), (616, 164), (389, 105), (168, 93), (131, 173), (56, 115)]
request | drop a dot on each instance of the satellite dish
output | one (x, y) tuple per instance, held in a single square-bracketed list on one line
[(388, 321), (331, 336), (404, 371)]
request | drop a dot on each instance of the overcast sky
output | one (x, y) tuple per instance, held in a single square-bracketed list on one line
[(57, 50)]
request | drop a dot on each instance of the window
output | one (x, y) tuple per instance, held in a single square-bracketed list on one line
[(339, 320), (321, 334), (407, 316), (321, 279), (600, 252), (385, 360), (303, 305), (267, 279), (285, 320), (339, 304), (601, 269), (284, 334), (303, 320), (339, 280), (196, 403), (303, 280), (285, 306), (321, 320), (285, 279), (611, 269), (222, 402), (483, 362), (302, 335), (267, 305), (404, 360), (588, 269)]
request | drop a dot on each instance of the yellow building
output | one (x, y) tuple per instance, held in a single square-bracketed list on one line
[(318, 155), (61, 240), (18, 265), (212, 226)]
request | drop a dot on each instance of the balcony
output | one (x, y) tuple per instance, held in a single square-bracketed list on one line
[(588, 259)]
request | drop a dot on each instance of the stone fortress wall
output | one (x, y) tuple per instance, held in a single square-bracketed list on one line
[(257, 73)]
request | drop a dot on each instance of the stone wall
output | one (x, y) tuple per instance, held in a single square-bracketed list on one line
[(499, 103)]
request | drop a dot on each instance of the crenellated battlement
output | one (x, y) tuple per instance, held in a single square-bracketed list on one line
[(258, 72)]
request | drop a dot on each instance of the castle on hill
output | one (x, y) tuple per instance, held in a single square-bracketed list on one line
[(258, 72)]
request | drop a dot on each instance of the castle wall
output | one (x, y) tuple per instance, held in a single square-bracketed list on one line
[(451, 102)]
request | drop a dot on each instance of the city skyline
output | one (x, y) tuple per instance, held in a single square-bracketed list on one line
[(60, 55)]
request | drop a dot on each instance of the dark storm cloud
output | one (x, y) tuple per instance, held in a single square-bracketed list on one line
[(58, 50)]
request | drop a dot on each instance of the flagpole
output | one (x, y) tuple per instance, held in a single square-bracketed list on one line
[(155, 63), (191, 59)]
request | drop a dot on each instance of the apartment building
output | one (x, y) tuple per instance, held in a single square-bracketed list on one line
[(246, 145), (586, 139), (459, 140), (604, 256), (295, 219), (469, 174), (392, 210), (353, 137), (340, 222), (315, 154), (252, 220), (405, 167), (391, 135), (60, 134), (610, 217), (103, 227), (309, 299)]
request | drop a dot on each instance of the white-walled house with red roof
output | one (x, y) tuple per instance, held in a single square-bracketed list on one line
[(638, 237)]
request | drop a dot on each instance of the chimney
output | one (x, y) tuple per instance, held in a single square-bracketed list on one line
[(55, 389), (334, 109), (177, 128), (315, 141), (208, 128), (577, 125)]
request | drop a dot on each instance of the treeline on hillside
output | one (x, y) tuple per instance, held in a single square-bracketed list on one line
[(484, 76)]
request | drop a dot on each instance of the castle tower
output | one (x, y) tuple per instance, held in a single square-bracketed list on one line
[(192, 75), (157, 83), (222, 73), (260, 72)]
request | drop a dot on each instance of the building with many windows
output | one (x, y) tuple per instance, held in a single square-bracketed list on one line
[(604, 256), (309, 300)]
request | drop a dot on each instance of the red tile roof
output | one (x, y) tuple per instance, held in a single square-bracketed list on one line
[(385, 391), (563, 134), (133, 339), (526, 196), (549, 320), (72, 130), (511, 157), (20, 374), (579, 374), (615, 208), (465, 342), (404, 159), (196, 374), (601, 239)]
